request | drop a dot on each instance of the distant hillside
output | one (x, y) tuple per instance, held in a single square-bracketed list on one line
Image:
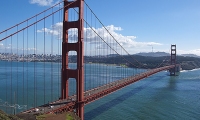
[(187, 63), (159, 54), (190, 55), (154, 54)]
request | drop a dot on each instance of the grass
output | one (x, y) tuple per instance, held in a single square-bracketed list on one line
[(4, 116), (44, 116), (69, 117), (63, 116)]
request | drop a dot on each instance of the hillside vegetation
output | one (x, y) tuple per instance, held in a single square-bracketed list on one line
[(63, 116), (187, 63), (4, 116)]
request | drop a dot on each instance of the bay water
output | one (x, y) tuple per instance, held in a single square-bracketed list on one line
[(159, 96)]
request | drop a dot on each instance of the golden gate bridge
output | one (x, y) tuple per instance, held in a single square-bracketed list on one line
[(68, 42)]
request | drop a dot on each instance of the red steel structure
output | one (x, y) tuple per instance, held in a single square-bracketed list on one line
[(173, 60), (79, 48)]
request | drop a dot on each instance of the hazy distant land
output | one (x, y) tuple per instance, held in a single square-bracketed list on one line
[(146, 60)]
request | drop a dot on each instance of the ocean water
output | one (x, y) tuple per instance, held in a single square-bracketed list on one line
[(157, 97), (24, 85)]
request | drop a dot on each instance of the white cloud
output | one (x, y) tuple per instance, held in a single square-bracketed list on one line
[(91, 37), (43, 2), (55, 30), (127, 42)]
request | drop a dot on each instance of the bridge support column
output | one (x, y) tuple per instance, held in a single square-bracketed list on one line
[(78, 73), (173, 60)]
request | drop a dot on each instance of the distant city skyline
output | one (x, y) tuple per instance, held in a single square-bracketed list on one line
[(136, 25)]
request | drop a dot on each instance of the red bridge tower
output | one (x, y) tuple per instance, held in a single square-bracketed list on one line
[(173, 60), (78, 47)]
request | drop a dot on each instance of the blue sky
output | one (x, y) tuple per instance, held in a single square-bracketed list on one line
[(143, 23)]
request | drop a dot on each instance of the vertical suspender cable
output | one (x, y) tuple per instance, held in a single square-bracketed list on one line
[(122, 69), (96, 64), (27, 91), (34, 69), (11, 87), (17, 68), (107, 54), (99, 51), (110, 67), (107, 79), (44, 63), (36, 64), (92, 53), (52, 57), (123, 62), (104, 53), (58, 70), (23, 69), (91, 64), (6, 54), (60, 52)]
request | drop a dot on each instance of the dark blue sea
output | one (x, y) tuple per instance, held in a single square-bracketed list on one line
[(159, 97)]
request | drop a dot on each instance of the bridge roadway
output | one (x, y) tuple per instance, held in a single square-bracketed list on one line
[(93, 94)]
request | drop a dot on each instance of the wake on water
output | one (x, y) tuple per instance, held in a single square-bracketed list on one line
[(190, 70)]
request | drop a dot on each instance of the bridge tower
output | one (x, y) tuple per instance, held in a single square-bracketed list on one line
[(173, 60), (78, 47)]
